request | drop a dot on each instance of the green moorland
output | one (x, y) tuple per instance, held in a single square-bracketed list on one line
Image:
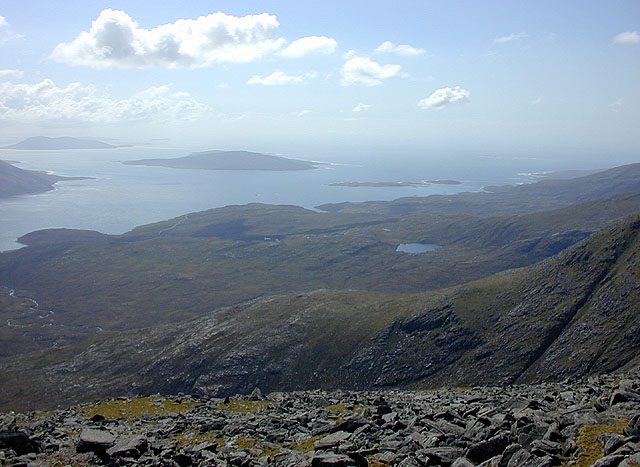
[(185, 267), (569, 315)]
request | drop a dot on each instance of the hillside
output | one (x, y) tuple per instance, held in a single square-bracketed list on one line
[(63, 142), (570, 315), (185, 267), (228, 160)]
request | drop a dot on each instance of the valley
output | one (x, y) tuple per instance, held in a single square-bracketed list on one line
[(285, 298)]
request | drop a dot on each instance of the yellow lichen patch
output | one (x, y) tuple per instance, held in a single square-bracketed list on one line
[(373, 462), (339, 408), (246, 443), (242, 406), (136, 407), (308, 445), (590, 449), (191, 438)]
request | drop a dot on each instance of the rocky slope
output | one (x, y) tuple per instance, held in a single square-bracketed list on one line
[(571, 315), (594, 422)]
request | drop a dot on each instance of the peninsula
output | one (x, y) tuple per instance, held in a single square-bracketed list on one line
[(15, 181), (396, 184), (228, 160)]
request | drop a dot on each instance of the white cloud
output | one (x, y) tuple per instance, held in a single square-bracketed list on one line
[(279, 78), (363, 70), (47, 102), (115, 40), (510, 37), (616, 106), (628, 37), (3, 22), (301, 113), (223, 86), (349, 54), (310, 45), (536, 101), (444, 97), (8, 74), (361, 107), (400, 49)]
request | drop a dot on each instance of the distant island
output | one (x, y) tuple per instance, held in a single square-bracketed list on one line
[(63, 142), (396, 184), (15, 181), (228, 160)]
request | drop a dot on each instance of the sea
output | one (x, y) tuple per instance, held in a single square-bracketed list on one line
[(119, 197)]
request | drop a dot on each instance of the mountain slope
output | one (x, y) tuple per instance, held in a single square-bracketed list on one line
[(519, 325)]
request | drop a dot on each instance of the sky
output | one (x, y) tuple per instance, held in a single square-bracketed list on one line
[(308, 78)]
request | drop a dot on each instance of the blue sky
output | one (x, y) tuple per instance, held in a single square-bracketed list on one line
[(506, 78)]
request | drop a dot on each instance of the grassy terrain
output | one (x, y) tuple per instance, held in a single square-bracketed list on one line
[(183, 268), (564, 316)]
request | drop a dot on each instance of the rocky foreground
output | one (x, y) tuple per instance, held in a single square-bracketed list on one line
[(587, 422)]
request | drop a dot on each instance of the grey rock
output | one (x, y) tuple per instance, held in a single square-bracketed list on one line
[(634, 426), (18, 441), (129, 446), (609, 461), (462, 462), (333, 460), (487, 449), (332, 440), (623, 395), (96, 441)]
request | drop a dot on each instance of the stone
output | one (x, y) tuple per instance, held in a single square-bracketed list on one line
[(256, 395), (332, 440), (129, 446), (611, 442), (96, 441), (333, 460), (609, 461), (484, 450), (623, 395), (633, 429), (18, 441), (462, 462)]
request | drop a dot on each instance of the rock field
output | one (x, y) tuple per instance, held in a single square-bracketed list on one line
[(583, 422)]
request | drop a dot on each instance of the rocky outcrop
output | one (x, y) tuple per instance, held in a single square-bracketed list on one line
[(580, 422)]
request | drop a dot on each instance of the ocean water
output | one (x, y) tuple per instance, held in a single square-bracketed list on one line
[(120, 196)]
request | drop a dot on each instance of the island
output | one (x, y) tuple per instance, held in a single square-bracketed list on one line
[(15, 181), (396, 184), (63, 142), (228, 160)]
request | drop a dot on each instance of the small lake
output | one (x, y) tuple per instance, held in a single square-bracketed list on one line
[(415, 248)]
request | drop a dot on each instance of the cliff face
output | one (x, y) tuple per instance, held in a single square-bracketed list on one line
[(570, 315), (567, 316)]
